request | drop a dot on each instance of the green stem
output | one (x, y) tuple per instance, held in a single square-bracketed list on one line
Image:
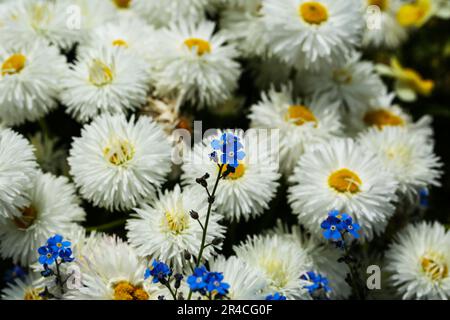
[(107, 226), (205, 229), (354, 274)]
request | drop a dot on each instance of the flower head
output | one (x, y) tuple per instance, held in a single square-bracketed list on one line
[(336, 224), (47, 255), (207, 282), (196, 281), (159, 271), (318, 282), (54, 248), (275, 296), (231, 150)]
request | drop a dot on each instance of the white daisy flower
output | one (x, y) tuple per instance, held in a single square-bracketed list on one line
[(381, 112), (111, 270), (408, 155), (164, 230), (244, 25), (324, 259), (419, 261), (192, 60), (281, 263), (105, 80), (132, 34), (353, 84), (24, 288), (301, 123), (246, 193), (161, 13), (246, 283), (341, 175), (53, 209), (312, 34), (384, 30), (49, 21), (17, 170), (29, 81), (118, 163)]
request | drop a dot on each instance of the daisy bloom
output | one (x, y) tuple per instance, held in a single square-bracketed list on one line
[(323, 258), (48, 21), (246, 283), (164, 229), (408, 82), (353, 84), (419, 261), (342, 175), (30, 79), (301, 123), (53, 209), (117, 163), (281, 263), (246, 193), (312, 34), (382, 112), (17, 170), (244, 25), (28, 287), (193, 61), (408, 155), (384, 30), (105, 80), (132, 34), (111, 270)]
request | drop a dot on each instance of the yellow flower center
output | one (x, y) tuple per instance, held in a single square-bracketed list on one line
[(32, 294), (120, 43), (415, 81), (434, 266), (122, 4), (126, 291), (382, 117), (382, 4), (119, 152), (202, 46), (300, 115), (276, 272), (14, 64), (238, 172), (414, 14), (313, 12), (342, 76), (177, 221), (344, 180), (100, 74), (27, 218)]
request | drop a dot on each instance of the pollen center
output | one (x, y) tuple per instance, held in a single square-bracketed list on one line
[(417, 83), (381, 118), (176, 221), (32, 294), (344, 180), (382, 4), (126, 291), (202, 46), (29, 215), (100, 74), (300, 115), (434, 267), (120, 43), (119, 152), (238, 172), (342, 76), (313, 12), (123, 4), (413, 14), (276, 272), (14, 64)]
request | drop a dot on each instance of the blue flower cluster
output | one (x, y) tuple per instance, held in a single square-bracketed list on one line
[(318, 282), (159, 271), (55, 248), (228, 150), (337, 224), (276, 296), (207, 282)]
